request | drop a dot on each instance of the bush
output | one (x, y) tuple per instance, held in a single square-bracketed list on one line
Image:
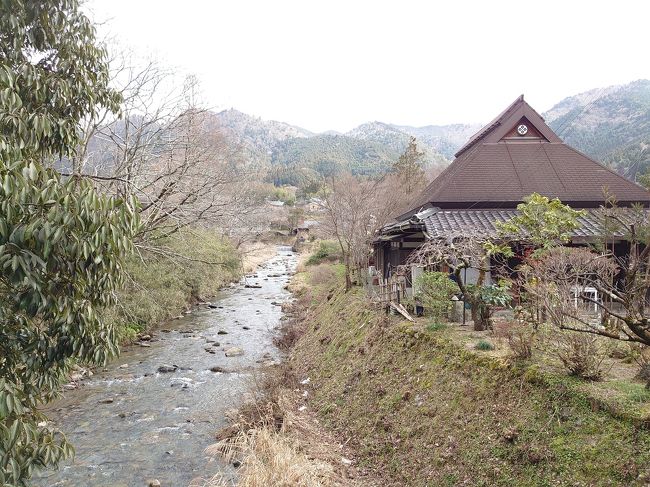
[(519, 336), (434, 291), (285, 195), (581, 355), (435, 326), (327, 251), (484, 346), (641, 355), (161, 287)]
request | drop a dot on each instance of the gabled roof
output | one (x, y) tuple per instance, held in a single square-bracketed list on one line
[(499, 167), (494, 130)]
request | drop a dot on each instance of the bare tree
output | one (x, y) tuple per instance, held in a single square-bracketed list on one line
[(621, 280), (169, 152), (355, 208)]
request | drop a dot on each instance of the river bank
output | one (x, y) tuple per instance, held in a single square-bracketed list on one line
[(150, 414), (402, 404)]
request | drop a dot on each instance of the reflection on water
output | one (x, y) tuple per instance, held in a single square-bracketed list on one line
[(131, 422)]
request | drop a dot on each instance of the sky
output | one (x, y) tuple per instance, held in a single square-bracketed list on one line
[(332, 65)]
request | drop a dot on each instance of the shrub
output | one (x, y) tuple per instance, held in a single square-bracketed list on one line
[(436, 326), (519, 336), (484, 346), (581, 355), (161, 287), (434, 291), (641, 355), (327, 251)]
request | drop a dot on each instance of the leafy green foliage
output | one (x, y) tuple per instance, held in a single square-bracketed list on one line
[(162, 286), (486, 297), (52, 74), (542, 221), (434, 291), (435, 326), (61, 243), (327, 251), (484, 346), (284, 194)]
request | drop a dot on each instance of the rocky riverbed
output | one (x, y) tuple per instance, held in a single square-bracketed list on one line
[(149, 415)]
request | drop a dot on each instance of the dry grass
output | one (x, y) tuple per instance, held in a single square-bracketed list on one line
[(255, 253), (322, 274), (269, 458), (274, 443)]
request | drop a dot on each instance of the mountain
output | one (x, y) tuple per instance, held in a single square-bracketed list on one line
[(294, 155), (397, 138), (444, 139), (258, 138), (610, 124), (329, 154)]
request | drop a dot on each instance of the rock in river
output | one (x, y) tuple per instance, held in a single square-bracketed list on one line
[(234, 352), (163, 369)]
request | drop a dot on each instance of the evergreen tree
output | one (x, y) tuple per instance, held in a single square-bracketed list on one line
[(61, 243), (409, 168)]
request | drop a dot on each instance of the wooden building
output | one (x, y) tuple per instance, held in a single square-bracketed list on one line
[(513, 156)]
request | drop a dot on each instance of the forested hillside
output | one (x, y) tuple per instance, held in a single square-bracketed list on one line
[(293, 155), (611, 124)]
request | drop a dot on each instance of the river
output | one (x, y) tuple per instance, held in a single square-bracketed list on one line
[(130, 423)]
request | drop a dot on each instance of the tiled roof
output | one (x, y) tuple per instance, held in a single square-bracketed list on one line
[(463, 223), (508, 172)]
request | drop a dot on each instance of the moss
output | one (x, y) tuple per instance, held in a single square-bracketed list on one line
[(423, 410)]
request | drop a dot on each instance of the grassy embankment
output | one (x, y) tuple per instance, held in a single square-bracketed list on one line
[(160, 287), (419, 408)]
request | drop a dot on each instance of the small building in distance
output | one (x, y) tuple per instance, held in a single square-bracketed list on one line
[(513, 156)]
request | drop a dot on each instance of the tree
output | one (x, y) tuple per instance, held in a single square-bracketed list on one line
[(543, 222), (409, 168), (435, 291), (61, 243), (295, 217), (355, 208), (622, 280), (459, 253), (168, 151)]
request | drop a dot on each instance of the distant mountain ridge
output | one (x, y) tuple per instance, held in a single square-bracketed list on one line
[(294, 152), (611, 124)]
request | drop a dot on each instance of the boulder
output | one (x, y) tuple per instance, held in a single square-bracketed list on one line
[(164, 369), (234, 352)]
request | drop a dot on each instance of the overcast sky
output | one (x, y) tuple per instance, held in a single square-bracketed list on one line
[(335, 64)]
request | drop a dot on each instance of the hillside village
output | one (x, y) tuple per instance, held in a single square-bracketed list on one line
[(197, 296)]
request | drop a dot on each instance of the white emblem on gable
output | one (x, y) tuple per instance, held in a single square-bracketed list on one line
[(522, 129)]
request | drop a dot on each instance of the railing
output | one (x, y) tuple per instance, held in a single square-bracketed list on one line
[(392, 290)]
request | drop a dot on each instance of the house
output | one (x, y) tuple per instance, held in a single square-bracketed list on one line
[(513, 156)]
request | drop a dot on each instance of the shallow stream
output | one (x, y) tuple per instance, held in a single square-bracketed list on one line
[(131, 423)]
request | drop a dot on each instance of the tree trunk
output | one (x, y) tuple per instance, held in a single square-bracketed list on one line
[(348, 277), (480, 316)]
